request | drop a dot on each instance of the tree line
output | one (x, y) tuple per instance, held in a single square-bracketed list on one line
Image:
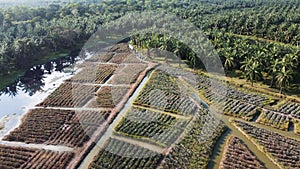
[(28, 34)]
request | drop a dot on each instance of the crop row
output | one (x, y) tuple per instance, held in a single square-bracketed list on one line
[(121, 53), (28, 158), (69, 95), (49, 160), (97, 75), (190, 77), (195, 148), (285, 151), (153, 126), (120, 48), (216, 87), (127, 74), (99, 57), (238, 155), (235, 108), (163, 93), (109, 96), (119, 154), (291, 108), (275, 119), (57, 127), (104, 56)]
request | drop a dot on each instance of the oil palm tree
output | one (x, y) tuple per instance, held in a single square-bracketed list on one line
[(229, 60), (275, 64), (252, 69), (283, 78)]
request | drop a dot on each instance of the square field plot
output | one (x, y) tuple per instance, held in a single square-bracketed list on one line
[(95, 74), (127, 74), (70, 95), (119, 154), (162, 92), (109, 96), (156, 127), (56, 127)]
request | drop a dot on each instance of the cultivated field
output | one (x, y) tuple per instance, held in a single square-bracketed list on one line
[(237, 155), (58, 127), (283, 150), (28, 158)]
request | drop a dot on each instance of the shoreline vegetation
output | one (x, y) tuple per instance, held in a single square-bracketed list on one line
[(15, 74)]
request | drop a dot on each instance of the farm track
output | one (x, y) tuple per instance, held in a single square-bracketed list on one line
[(75, 109), (58, 148), (100, 85), (149, 146), (167, 113), (109, 131)]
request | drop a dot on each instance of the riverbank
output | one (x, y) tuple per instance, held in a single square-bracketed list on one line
[(48, 57), (3, 120)]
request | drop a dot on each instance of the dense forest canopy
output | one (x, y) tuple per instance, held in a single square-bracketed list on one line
[(259, 37)]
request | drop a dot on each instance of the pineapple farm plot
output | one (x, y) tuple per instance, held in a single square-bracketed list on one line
[(101, 57), (98, 75), (235, 108), (194, 150), (119, 154), (155, 127), (161, 92), (284, 150), (127, 74), (283, 117), (291, 108), (119, 58), (56, 127), (120, 48), (237, 155), (70, 95), (274, 119), (109, 96), (27, 158)]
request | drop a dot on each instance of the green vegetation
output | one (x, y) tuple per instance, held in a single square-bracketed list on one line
[(258, 37), (163, 93), (194, 150), (155, 127), (119, 154)]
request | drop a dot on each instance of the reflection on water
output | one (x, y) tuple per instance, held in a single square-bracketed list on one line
[(33, 79), (36, 84)]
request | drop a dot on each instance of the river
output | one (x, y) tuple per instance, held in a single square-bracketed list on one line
[(36, 84)]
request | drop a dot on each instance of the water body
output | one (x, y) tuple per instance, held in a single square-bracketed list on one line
[(36, 84)]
